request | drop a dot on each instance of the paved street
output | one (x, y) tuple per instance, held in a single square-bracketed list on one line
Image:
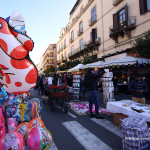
[(79, 132)]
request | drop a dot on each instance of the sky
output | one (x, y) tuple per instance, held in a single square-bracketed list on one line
[(43, 20)]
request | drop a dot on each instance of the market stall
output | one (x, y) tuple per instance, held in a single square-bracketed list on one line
[(125, 108)]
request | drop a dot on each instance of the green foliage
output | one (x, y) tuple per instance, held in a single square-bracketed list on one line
[(142, 45), (68, 65), (89, 59)]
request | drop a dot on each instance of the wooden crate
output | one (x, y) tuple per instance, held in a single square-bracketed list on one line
[(118, 116)]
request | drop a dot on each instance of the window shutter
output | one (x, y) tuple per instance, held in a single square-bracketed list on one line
[(93, 35), (126, 13), (115, 21), (142, 4)]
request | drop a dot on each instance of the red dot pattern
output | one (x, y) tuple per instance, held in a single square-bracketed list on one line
[(31, 76), (18, 84), (20, 64), (19, 52), (28, 45), (3, 45)]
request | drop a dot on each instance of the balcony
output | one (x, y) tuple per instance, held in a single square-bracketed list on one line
[(116, 2), (71, 40), (80, 31), (93, 20), (124, 27)]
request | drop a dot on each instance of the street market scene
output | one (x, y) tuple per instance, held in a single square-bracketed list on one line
[(75, 75)]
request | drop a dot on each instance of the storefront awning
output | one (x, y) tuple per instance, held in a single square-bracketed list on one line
[(127, 60)]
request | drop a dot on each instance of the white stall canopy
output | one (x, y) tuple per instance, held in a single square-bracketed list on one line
[(76, 68), (95, 64), (127, 60)]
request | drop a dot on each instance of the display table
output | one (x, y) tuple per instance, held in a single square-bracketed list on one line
[(122, 109)]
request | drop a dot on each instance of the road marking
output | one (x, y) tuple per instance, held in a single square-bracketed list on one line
[(88, 140), (53, 147), (108, 125), (72, 115)]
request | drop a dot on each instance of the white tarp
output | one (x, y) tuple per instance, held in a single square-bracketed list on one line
[(76, 68), (126, 60), (95, 64)]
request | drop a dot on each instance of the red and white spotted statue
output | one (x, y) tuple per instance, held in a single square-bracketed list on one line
[(18, 74)]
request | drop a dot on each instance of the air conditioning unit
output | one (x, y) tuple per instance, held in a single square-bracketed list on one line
[(98, 39), (132, 21)]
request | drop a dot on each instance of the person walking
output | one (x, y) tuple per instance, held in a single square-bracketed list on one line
[(138, 88), (90, 82)]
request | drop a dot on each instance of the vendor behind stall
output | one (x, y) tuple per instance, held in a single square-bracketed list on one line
[(138, 88)]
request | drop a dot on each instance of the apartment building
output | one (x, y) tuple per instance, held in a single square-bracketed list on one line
[(106, 28), (48, 59)]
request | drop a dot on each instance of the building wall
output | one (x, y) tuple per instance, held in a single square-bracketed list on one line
[(48, 59), (104, 11), (142, 25)]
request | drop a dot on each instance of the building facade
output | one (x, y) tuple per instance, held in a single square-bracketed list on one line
[(48, 59), (104, 28)]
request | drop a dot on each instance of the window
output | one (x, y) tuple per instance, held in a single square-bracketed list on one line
[(144, 6), (72, 49), (61, 46), (65, 55), (81, 44), (72, 36), (122, 15), (148, 4), (62, 57), (93, 14), (93, 35), (81, 27), (65, 43), (120, 18)]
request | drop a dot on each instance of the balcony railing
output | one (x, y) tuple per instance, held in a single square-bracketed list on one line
[(78, 50), (116, 2), (93, 20), (80, 31), (123, 27), (71, 40)]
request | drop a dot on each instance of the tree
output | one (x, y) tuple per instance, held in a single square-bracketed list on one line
[(89, 59), (142, 45)]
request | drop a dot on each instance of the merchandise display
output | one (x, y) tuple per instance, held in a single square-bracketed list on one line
[(108, 87), (76, 86), (83, 108), (126, 107)]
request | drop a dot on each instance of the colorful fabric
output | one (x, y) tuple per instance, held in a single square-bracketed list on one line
[(135, 134)]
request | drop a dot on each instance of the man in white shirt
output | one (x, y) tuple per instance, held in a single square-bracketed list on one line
[(50, 80)]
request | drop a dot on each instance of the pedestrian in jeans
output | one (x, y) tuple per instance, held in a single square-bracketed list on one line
[(90, 83), (138, 88)]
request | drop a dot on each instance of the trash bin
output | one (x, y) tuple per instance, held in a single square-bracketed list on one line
[(135, 134)]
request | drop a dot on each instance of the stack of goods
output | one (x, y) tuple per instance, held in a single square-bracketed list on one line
[(83, 108), (135, 134), (25, 128), (108, 86), (76, 86)]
